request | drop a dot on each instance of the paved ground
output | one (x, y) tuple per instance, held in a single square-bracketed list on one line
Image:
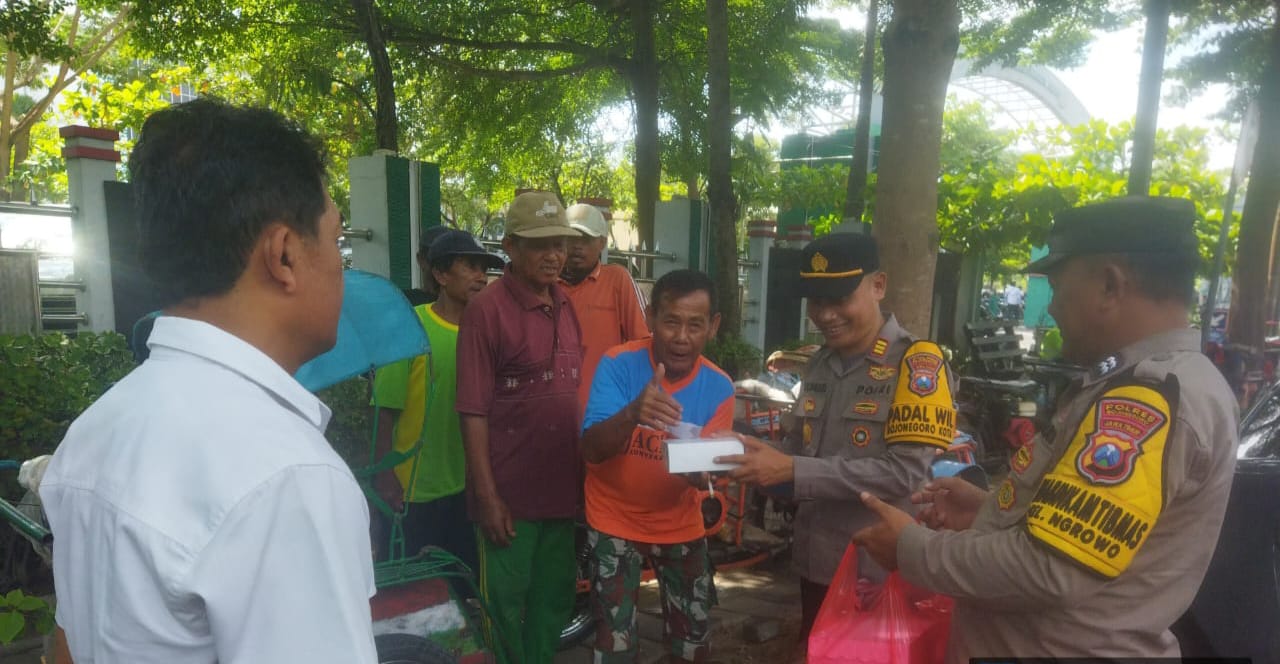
[(749, 597)]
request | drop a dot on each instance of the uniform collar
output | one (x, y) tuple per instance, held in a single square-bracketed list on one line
[(1164, 343), (524, 295), (211, 343)]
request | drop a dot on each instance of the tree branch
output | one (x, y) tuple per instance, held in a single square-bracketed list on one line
[(425, 38), (523, 74), (360, 98), (62, 81)]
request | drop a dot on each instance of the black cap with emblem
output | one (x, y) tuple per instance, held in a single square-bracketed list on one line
[(833, 265), (1129, 225)]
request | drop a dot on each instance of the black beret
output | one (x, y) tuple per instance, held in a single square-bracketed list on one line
[(1129, 225), (833, 265)]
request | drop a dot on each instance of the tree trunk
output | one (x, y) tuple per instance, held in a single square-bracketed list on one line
[(724, 212), (387, 127), (1257, 222), (1144, 127), (691, 190), (6, 120), (919, 50), (644, 88), (1273, 280), (855, 202)]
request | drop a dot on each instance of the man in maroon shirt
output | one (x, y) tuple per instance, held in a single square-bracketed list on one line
[(519, 365)]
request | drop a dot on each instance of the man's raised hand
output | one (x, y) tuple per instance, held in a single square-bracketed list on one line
[(655, 408)]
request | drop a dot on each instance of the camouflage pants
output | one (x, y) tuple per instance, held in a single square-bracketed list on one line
[(684, 581)]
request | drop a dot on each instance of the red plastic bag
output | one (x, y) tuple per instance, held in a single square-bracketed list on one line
[(896, 624)]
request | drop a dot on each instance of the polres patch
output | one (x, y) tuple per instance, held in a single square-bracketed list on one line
[(924, 373), (861, 436), (1006, 494), (1022, 457), (1110, 451)]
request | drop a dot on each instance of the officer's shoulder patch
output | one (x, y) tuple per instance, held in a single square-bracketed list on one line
[(923, 410), (1099, 503)]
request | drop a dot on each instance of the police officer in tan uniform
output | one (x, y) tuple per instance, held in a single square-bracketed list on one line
[(1099, 538), (875, 404)]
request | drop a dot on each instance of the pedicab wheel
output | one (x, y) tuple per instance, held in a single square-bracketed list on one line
[(580, 622), (410, 649)]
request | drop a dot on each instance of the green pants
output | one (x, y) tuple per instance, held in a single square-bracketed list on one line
[(529, 587)]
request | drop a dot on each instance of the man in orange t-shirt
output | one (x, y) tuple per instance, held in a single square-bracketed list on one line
[(636, 510), (609, 306)]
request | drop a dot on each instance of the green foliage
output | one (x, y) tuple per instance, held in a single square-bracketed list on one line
[(48, 381), (46, 47), (43, 175), (734, 355), (351, 427), (16, 609), (24, 29), (1047, 32), (819, 189), (1227, 42), (999, 190)]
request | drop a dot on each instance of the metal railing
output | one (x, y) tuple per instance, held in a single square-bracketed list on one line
[(75, 284), (37, 210)]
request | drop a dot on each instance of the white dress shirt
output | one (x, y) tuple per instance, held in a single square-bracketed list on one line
[(1012, 295), (199, 515)]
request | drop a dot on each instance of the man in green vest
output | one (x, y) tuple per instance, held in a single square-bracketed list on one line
[(428, 487)]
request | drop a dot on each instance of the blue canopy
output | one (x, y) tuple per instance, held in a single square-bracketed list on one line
[(377, 327)]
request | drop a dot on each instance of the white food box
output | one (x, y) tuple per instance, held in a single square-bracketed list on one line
[(697, 455)]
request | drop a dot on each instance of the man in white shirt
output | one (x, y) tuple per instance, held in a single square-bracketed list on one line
[(198, 513), (1012, 301)]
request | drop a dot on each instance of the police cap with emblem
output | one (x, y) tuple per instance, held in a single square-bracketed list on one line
[(833, 265), (1129, 225)]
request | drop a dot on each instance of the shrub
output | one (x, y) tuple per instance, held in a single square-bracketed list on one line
[(16, 608), (48, 380), (351, 427), (732, 353)]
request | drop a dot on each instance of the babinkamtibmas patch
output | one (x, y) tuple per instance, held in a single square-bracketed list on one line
[(1100, 502), (920, 415)]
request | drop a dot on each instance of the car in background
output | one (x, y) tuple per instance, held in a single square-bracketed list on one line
[(1237, 610)]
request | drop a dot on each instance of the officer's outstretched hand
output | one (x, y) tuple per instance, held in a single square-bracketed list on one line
[(949, 503), (762, 464), (655, 408), (881, 540)]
